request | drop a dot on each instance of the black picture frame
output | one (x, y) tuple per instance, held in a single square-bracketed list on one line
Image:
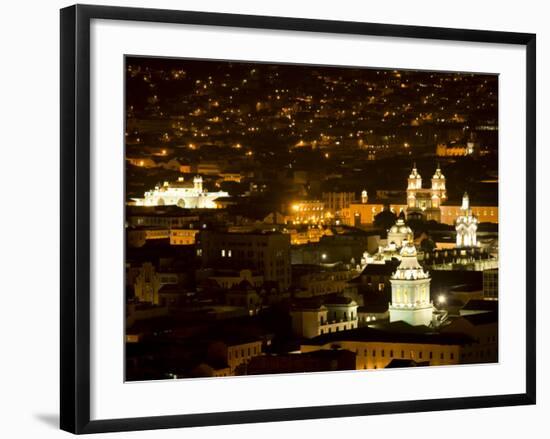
[(75, 217)]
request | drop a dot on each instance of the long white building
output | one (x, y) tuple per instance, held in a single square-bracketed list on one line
[(182, 194)]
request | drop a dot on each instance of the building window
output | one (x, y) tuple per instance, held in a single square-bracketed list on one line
[(223, 253), (391, 354), (452, 356), (419, 354), (431, 355), (402, 354), (442, 356), (382, 352), (374, 352)]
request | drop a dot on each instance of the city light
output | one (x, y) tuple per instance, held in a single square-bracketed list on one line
[(315, 209)]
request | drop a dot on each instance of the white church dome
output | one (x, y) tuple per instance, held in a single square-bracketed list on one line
[(400, 227)]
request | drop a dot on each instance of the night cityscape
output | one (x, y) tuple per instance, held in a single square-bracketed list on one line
[(299, 218)]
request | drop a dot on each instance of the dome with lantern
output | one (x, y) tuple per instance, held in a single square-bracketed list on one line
[(409, 268), (399, 232)]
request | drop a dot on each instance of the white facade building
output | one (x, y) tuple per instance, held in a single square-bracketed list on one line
[(311, 318), (410, 290), (182, 194), (466, 226)]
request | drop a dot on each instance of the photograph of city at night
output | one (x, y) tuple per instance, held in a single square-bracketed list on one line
[(284, 218)]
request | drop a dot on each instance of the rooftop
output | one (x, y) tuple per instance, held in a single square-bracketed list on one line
[(389, 335)]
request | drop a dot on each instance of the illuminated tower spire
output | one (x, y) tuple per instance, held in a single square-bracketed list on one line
[(410, 288), (465, 203), (466, 225), (197, 183), (414, 183), (439, 192)]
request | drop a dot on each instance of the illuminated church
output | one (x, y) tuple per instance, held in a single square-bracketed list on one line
[(410, 289), (398, 236), (426, 201), (466, 225), (182, 194)]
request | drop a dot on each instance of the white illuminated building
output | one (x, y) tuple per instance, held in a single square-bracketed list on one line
[(399, 232), (182, 194), (426, 201), (466, 226), (410, 290), (398, 235)]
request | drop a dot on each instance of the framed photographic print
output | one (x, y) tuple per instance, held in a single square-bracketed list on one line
[(271, 218)]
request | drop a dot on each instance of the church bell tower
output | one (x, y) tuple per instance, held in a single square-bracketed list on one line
[(410, 290)]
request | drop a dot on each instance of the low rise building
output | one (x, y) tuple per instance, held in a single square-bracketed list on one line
[(148, 283), (183, 236), (234, 351), (228, 279), (317, 361), (314, 317), (266, 253), (376, 348)]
